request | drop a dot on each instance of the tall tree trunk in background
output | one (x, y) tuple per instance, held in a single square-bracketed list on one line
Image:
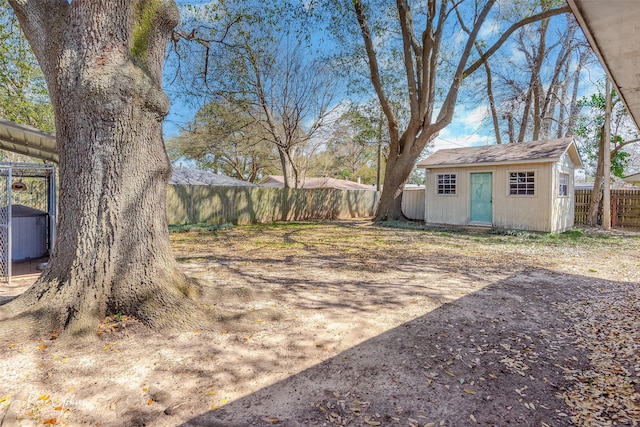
[(534, 91), (575, 105), (492, 103), (289, 169), (596, 193), (103, 64)]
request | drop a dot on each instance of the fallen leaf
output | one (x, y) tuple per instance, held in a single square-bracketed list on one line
[(64, 360), (4, 398), (58, 408), (373, 423), (50, 422), (467, 390), (271, 420), (44, 397), (150, 402), (473, 418)]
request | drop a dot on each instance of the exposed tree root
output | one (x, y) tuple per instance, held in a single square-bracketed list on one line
[(73, 312)]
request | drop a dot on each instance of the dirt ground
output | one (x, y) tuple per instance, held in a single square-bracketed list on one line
[(349, 324)]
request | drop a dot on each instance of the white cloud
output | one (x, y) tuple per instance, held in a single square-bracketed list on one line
[(490, 28), (473, 140), (471, 119)]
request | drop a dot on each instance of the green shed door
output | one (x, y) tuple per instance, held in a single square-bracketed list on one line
[(481, 198)]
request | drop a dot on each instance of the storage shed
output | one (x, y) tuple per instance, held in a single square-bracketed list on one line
[(520, 186)]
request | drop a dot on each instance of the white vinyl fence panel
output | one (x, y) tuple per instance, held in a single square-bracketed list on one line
[(413, 203)]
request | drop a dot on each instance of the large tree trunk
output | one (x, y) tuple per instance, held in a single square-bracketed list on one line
[(397, 171), (103, 64)]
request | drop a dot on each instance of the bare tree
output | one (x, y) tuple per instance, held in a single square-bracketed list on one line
[(538, 99), (261, 67)]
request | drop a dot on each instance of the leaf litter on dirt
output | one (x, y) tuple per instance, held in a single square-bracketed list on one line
[(608, 329)]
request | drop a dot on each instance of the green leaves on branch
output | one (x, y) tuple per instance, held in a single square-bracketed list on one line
[(23, 92)]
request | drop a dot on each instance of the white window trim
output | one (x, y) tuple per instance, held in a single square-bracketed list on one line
[(535, 183), (455, 185), (560, 174)]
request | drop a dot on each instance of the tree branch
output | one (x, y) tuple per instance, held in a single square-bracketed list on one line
[(540, 16), (375, 72), (406, 26), (624, 144), (446, 113)]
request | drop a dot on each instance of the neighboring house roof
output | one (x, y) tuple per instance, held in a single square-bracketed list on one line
[(612, 30), (198, 177), (323, 182), (616, 184), (514, 153), (27, 140), (632, 179)]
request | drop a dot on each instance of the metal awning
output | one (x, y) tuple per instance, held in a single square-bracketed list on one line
[(613, 31), (27, 140)]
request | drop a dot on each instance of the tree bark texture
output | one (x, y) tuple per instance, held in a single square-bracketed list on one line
[(103, 64)]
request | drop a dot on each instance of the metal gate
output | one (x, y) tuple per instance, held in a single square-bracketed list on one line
[(40, 177), (5, 224)]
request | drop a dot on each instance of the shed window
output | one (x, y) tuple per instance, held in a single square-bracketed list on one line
[(521, 183), (563, 184), (446, 184)]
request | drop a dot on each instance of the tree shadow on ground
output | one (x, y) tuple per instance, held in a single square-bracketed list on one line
[(495, 356)]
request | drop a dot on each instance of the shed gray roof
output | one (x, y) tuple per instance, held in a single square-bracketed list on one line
[(198, 177), (530, 152)]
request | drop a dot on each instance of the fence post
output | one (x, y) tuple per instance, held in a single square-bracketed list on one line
[(614, 209)]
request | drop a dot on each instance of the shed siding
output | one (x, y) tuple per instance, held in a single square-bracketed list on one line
[(523, 212), (562, 214), (452, 209)]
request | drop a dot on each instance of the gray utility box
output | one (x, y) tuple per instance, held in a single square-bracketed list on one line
[(28, 233)]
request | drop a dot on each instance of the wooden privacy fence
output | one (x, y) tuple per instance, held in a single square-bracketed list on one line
[(192, 204), (625, 208)]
